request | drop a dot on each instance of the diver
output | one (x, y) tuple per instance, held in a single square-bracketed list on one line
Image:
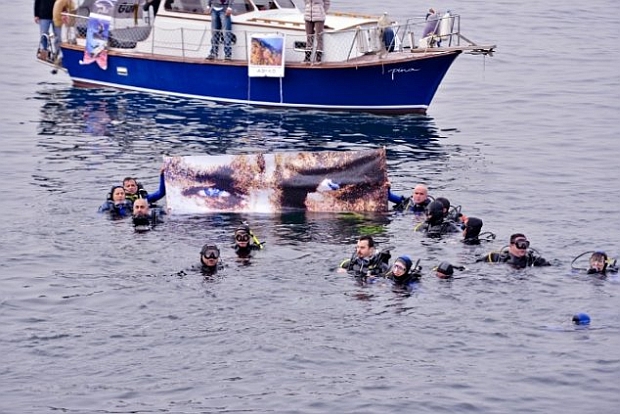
[(403, 273), (416, 204), (445, 270), (245, 242), (598, 263), (134, 190), (436, 225), (210, 263), (450, 212), (472, 227), (144, 217), (116, 203), (210, 259), (366, 263), (518, 254)]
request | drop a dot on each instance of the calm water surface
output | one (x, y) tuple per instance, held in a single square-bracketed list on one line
[(97, 319)]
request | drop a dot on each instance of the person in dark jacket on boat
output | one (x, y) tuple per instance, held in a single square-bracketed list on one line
[(221, 26), (43, 16), (315, 13), (151, 3), (517, 254)]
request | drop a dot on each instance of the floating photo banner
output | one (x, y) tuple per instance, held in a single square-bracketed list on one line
[(330, 181), (266, 56)]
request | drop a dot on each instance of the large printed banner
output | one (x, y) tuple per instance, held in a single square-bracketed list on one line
[(97, 33), (265, 183)]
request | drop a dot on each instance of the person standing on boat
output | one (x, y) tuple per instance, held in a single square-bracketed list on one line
[(60, 7), (43, 16), (151, 3), (221, 25), (314, 16)]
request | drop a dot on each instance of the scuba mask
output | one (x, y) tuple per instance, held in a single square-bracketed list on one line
[(242, 237), (522, 244)]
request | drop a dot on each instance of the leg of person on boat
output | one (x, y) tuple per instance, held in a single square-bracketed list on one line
[(43, 16), (314, 16), (221, 26)]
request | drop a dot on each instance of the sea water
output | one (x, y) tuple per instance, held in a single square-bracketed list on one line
[(98, 318)]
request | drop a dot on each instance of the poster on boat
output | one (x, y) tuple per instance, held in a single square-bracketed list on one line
[(327, 181), (97, 33), (266, 55)]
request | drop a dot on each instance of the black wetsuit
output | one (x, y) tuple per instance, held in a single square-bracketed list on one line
[(406, 280), (438, 228), (530, 259), (375, 265)]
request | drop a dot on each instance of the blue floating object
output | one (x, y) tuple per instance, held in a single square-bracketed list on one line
[(581, 319)]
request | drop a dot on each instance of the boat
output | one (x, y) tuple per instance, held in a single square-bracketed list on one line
[(369, 63)]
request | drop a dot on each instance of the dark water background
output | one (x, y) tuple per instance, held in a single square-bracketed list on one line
[(95, 319)]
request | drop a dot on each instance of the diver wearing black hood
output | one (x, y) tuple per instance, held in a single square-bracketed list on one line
[(403, 274), (210, 259), (245, 242), (436, 224), (471, 230)]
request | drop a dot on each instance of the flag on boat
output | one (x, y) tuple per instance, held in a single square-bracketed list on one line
[(329, 181), (97, 34)]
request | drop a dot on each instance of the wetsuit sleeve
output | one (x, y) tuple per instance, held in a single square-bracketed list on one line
[(541, 261), (492, 257), (395, 198), (161, 191), (107, 206)]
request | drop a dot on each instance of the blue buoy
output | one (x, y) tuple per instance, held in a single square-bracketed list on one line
[(581, 319)]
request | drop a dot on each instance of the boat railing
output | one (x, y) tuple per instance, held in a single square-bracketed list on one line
[(195, 41)]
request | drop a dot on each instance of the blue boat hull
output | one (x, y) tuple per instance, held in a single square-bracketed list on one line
[(403, 86)]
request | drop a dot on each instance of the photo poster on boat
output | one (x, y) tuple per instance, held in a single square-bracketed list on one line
[(97, 33), (326, 181), (266, 57)]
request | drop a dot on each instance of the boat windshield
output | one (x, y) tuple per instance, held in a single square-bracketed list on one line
[(246, 6), (274, 4)]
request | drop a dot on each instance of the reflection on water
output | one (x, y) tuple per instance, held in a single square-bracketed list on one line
[(197, 127)]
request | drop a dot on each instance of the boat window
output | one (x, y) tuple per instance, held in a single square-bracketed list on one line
[(265, 4), (187, 6), (243, 6), (285, 4), (274, 4)]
